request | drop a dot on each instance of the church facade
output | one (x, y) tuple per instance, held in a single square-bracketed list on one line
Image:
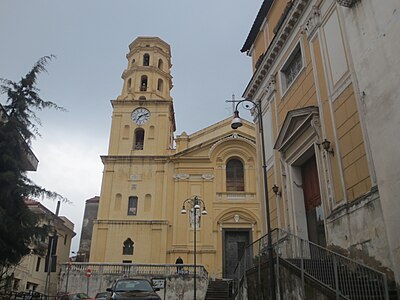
[(149, 173), (315, 74)]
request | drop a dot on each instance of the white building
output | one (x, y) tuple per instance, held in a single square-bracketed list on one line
[(372, 31)]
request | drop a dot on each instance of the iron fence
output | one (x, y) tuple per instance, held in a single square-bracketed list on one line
[(344, 277)]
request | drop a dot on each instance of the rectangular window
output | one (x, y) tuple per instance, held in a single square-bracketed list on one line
[(38, 264), (291, 68), (132, 206), (53, 263), (16, 284)]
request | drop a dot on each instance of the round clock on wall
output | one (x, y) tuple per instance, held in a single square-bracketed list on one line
[(140, 115)]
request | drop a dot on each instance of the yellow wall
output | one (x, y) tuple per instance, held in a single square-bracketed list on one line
[(162, 178), (344, 175)]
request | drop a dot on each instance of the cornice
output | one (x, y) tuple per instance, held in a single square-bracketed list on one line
[(132, 158), (234, 137), (295, 123), (154, 69), (312, 23), (270, 87), (116, 103), (271, 54), (127, 222)]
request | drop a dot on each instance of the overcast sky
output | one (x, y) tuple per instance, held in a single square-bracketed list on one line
[(90, 39)]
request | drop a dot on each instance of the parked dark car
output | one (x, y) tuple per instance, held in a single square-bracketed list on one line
[(132, 289)]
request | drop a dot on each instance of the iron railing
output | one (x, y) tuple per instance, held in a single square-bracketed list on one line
[(344, 277)]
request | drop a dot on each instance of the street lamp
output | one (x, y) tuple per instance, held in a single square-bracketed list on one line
[(196, 205), (235, 124)]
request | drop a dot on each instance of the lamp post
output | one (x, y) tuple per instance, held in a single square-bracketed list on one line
[(196, 205), (236, 123)]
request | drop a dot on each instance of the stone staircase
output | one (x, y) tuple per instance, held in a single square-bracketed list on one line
[(218, 289)]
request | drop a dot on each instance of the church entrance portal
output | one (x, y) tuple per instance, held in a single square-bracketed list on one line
[(234, 244), (312, 202)]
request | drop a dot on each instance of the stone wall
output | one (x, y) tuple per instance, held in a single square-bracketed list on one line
[(256, 283), (176, 287), (357, 230)]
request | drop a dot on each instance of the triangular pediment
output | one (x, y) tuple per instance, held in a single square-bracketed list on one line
[(296, 122), (203, 142)]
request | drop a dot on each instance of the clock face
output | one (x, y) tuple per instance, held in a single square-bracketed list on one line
[(140, 115)]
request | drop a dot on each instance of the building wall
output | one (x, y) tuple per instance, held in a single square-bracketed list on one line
[(372, 28), (90, 214), (322, 102), (30, 274)]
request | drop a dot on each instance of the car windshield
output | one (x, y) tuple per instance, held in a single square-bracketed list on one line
[(133, 285)]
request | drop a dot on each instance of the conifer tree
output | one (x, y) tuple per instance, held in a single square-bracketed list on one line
[(19, 227)]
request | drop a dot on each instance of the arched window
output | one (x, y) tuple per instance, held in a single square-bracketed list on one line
[(128, 247), (133, 63), (160, 84), (129, 83), (234, 175), (146, 59), (160, 64), (143, 83), (139, 139)]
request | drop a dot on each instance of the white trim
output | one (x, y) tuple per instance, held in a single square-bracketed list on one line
[(359, 101), (286, 63), (328, 188), (338, 155), (298, 15), (334, 88)]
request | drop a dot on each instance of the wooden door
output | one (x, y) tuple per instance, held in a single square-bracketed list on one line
[(312, 202)]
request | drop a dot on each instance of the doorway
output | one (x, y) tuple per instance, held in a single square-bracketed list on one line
[(312, 202), (235, 242)]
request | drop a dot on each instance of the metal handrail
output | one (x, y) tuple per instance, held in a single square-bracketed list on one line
[(345, 277)]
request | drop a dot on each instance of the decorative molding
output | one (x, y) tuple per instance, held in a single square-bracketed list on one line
[(312, 23), (234, 136), (181, 176), (295, 123), (208, 176), (271, 87), (346, 3), (275, 47), (316, 125), (236, 218)]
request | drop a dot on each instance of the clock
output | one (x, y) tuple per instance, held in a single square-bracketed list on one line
[(140, 115)]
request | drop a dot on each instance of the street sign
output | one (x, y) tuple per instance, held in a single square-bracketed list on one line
[(88, 273)]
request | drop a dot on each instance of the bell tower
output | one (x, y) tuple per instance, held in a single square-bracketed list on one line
[(143, 115), (148, 73)]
